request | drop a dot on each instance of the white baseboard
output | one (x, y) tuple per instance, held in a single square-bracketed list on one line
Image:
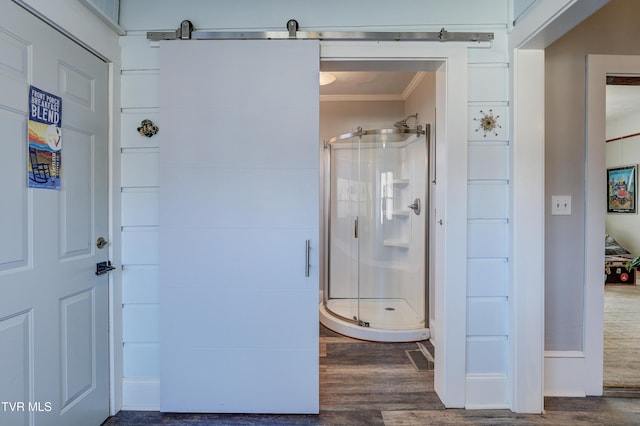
[(141, 394), (486, 391), (564, 373)]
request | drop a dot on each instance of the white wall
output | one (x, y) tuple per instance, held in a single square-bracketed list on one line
[(140, 219), (574, 295), (623, 227), (488, 168), (488, 214), (609, 31), (382, 15)]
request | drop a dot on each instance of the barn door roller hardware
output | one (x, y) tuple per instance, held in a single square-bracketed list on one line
[(186, 32)]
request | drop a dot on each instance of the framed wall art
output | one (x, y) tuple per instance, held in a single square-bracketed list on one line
[(621, 187)]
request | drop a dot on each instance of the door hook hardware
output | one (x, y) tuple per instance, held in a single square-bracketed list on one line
[(185, 30), (415, 206), (292, 27)]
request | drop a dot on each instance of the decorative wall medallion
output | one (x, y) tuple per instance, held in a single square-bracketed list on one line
[(488, 123), (147, 128)]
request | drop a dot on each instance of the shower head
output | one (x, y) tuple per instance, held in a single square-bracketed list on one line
[(402, 124)]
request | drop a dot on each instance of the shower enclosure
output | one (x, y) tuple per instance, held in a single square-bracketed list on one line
[(376, 211)]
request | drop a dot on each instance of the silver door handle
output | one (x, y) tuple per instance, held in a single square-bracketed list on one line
[(307, 261), (355, 227)]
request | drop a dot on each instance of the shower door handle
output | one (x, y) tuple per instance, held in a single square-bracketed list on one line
[(355, 227)]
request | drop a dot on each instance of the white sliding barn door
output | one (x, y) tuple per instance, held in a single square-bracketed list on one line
[(54, 367), (238, 200)]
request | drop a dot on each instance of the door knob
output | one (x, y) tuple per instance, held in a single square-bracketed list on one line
[(101, 242)]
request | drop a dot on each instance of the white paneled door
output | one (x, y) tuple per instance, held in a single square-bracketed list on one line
[(238, 202), (53, 307)]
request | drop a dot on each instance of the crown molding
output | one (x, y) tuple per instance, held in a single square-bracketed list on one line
[(362, 98)]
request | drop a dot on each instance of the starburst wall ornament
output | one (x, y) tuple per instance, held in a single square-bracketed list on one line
[(488, 123)]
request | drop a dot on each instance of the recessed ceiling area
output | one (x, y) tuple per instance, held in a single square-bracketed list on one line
[(373, 80), (369, 83)]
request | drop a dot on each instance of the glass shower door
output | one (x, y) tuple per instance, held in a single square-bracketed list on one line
[(377, 258), (391, 235)]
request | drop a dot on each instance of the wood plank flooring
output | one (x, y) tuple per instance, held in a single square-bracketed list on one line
[(371, 376), (366, 383)]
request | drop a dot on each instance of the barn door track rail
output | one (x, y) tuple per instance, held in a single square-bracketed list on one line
[(186, 32)]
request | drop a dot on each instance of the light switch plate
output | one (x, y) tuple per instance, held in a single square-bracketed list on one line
[(561, 205)]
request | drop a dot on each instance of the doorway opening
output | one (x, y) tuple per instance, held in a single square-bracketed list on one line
[(599, 68), (367, 168), (621, 371), (447, 268)]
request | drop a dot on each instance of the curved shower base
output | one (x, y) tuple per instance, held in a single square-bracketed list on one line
[(375, 332)]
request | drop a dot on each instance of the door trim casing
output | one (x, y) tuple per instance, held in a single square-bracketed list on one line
[(581, 372), (598, 67)]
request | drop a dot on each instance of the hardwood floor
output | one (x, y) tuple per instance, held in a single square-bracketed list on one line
[(366, 383), (371, 376)]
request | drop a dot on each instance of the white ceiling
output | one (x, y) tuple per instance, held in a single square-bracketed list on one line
[(622, 100), (373, 80), (370, 83)]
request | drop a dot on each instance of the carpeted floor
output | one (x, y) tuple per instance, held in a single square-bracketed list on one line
[(622, 336)]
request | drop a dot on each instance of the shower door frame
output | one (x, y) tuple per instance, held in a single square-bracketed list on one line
[(326, 183), (421, 131)]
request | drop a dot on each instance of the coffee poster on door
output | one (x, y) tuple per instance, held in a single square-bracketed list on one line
[(45, 139)]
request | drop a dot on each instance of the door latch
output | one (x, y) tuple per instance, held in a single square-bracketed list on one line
[(104, 267)]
